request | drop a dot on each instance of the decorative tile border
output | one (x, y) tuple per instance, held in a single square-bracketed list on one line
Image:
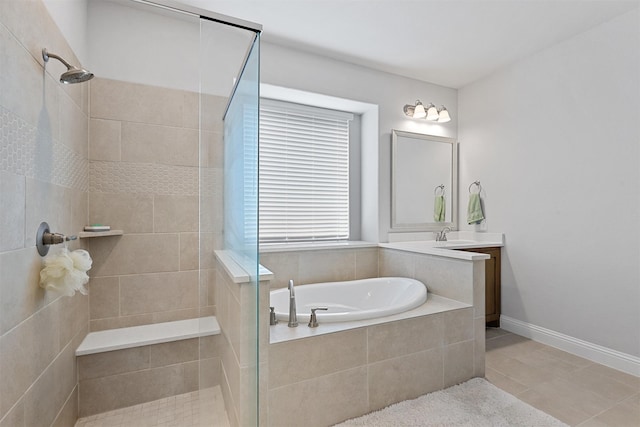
[(27, 151), (142, 178)]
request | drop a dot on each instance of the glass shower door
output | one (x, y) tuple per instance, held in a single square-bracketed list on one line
[(230, 71)]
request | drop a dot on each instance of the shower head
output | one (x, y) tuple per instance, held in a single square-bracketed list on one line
[(73, 74)]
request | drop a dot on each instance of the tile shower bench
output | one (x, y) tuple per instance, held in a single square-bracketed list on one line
[(127, 366)]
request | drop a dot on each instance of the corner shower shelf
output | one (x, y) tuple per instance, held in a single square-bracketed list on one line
[(90, 234)]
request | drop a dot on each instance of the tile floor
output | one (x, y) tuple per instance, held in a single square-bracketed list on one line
[(196, 409), (572, 389)]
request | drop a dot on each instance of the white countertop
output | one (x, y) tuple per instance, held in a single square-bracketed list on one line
[(455, 240)]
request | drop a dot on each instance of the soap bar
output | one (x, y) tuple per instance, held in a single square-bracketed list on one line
[(97, 227)]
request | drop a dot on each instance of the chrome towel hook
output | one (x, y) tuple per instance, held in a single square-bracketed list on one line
[(45, 238), (477, 183), (439, 187)]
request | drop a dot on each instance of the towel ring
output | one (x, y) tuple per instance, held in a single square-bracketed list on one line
[(439, 187), (475, 183)]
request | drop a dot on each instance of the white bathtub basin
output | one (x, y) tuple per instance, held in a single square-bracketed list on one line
[(351, 300)]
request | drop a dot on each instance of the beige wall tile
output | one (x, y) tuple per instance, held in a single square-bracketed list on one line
[(174, 352), (458, 325), (210, 372), (144, 143), (73, 317), (326, 266), (212, 112), (404, 337), (396, 263), (118, 100), (132, 213), (298, 360), (209, 242), (104, 297), (74, 126), (120, 322), (446, 277), (104, 140), (366, 263), (69, 413), (15, 417), (21, 81), (212, 150), (284, 266), (113, 362), (211, 346), (479, 288), (209, 280), (39, 30), (231, 372), (189, 250), (118, 391), (190, 110), (45, 202), (175, 214), (21, 295), (134, 254), (26, 351), (458, 362), (321, 401), (479, 347), (148, 293), (405, 377), (47, 395), (12, 211), (171, 315)]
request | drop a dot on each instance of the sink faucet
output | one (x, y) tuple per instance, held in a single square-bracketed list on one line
[(293, 317), (442, 235)]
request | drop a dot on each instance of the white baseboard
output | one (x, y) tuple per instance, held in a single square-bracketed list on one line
[(596, 353)]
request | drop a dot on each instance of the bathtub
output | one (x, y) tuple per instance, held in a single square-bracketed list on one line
[(351, 300)]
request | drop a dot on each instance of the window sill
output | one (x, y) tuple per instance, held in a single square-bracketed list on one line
[(314, 246)]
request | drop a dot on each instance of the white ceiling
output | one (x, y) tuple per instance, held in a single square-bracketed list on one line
[(447, 42)]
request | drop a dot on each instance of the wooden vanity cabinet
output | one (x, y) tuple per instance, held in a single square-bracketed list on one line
[(492, 284)]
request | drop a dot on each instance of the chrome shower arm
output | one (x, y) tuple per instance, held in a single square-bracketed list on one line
[(46, 55)]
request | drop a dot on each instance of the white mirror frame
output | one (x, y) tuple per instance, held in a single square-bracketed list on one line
[(453, 185)]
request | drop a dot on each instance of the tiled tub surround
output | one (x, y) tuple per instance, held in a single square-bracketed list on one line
[(43, 177), (322, 380), (237, 318), (321, 376)]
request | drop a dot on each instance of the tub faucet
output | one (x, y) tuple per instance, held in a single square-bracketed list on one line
[(442, 235), (293, 317)]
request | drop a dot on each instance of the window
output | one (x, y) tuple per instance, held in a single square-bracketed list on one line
[(304, 173)]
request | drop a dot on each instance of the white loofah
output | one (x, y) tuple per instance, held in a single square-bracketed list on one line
[(66, 272)]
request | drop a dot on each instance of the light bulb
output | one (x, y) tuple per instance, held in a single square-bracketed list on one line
[(443, 116), (419, 112), (432, 113)]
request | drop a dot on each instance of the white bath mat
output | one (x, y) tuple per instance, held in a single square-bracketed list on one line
[(476, 403)]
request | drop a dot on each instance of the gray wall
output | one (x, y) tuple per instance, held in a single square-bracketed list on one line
[(558, 158)]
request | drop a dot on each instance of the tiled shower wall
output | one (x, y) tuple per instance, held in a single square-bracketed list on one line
[(144, 180), (43, 177)]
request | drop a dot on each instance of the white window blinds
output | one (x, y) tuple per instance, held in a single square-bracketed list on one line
[(304, 173)]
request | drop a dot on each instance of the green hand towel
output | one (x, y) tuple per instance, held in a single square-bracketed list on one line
[(474, 211), (438, 209)]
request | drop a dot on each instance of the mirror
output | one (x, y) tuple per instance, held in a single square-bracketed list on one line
[(424, 182)]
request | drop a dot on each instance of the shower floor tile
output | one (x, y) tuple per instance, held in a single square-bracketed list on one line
[(196, 409)]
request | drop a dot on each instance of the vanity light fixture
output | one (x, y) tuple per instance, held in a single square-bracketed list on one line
[(431, 113)]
